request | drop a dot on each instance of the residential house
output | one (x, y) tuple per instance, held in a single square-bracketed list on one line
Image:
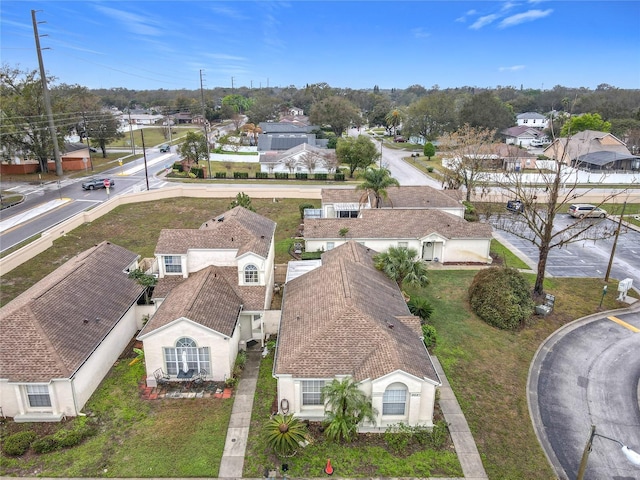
[(532, 119), (347, 203), (303, 158), (436, 235), (593, 150), (214, 285), (523, 136), (62, 335), (295, 111), (347, 319), (281, 136)]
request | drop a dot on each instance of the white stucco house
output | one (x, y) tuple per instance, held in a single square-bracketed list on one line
[(436, 235), (347, 319), (348, 203), (62, 336), (524, 136), (532, 119), (303, 158), (214, 285)]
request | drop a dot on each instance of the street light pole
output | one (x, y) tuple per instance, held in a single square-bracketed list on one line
[(632, 456), (381, 142), (615, 242)]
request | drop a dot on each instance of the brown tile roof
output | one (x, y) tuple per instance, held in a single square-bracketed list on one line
[(347, 318), (398, 197), (396, 223), (237, 228), (44, 334), (210, 297)]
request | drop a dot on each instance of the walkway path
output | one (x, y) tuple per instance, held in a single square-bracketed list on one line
[(232, 461)]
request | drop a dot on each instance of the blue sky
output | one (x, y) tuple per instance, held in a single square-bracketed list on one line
[(142, 44)]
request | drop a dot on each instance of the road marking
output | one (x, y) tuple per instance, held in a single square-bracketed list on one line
[(624, 324)]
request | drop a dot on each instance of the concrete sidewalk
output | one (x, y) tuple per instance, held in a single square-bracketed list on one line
[(463, 441), (235, 446)]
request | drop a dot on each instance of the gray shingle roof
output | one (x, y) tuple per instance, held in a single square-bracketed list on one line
[(380, 223), (237, 228), (347, 318), (44, 334), (398, 197)]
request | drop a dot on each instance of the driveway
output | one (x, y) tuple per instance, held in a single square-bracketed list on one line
[(584, 374)]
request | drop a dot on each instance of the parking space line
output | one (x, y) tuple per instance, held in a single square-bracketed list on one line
[(624, 324)]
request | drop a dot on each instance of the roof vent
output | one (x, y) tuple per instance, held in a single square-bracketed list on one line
[(85, 321), (390, 325), (221, 218)]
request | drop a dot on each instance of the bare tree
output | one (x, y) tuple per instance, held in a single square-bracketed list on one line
[(470, 150), (310, 160), (237, 120), (543, 195), (290, 162), (330, 161)]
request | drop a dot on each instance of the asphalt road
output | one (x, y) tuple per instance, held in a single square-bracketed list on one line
[(587, 374)]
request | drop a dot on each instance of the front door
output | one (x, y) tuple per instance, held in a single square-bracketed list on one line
[(427, 251)]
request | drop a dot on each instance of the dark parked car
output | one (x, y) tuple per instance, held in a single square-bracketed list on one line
[(165, 148), (97, 183), (399, 140)]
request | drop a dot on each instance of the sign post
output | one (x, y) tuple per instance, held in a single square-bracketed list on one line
[(107, 184)]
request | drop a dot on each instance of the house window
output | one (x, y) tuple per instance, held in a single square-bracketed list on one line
[(38, 396), (172, 264), (348, 213), (403, 244), (394, 400), (250, 274), (312, 392), (186, 351), (330, 245)]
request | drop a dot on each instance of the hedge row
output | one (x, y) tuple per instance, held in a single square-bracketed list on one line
[(339, 177), (18, 443)]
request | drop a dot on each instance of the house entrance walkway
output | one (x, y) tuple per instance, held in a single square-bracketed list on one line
[(232, 461)]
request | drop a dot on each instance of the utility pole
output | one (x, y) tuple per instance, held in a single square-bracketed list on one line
[(86, 133), (144, 154), (232, 87), (204, 123), (47, 100), (615, 242)]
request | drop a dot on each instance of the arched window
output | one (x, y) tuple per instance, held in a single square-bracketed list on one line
[(187, 354), (250, 274), (394, 401)]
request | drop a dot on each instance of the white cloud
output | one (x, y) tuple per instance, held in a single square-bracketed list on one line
[(483, 21), (513, 68), (224, 56), (419, 33), (138, 24), (225, 11), (529, 16)]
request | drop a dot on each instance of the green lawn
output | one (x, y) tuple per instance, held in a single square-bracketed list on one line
[(487, 369), (506, 257)]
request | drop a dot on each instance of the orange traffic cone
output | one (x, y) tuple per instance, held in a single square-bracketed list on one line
[(328, 469)]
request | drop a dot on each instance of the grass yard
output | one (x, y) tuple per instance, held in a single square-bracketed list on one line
[(503, 256), (133, 437)]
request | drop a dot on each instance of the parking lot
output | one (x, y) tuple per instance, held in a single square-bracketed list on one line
[(586, 258)]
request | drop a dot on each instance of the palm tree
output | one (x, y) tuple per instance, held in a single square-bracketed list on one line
[(376, 181), (285, 433), (394, 118), (345, 407), (400, 265)]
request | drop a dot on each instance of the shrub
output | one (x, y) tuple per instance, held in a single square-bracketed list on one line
[(430, 169), (262, 175), (285, 433), (281, 175), (420, 307), (18, 443), (302, 176), (221, 175), (241, 359), (177, 166), (339, 177), (501, 297), (45, 444), (198, 172), (429, 336), (320, 176), (231, 382), (398, 436), (242, 175)]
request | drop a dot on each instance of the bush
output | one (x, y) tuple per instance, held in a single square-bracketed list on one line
[(221, 175), (430, 169), (339, 177), (177, 166), (45, 444), (420, 307), (241, 175), (198, 172), (501, 297), (302, 176), (320, 176), (18, 443), (429, 336), (262, 175), (281, 175)]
